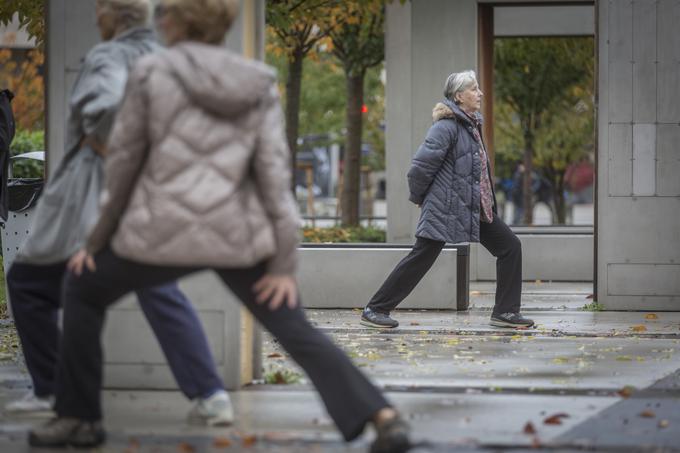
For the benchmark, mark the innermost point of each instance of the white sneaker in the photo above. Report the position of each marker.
(31, 403)
(213, 411)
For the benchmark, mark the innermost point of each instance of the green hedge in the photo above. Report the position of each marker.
(25, 142)
(340, 234)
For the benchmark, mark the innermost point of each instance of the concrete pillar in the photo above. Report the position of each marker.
(638, 194)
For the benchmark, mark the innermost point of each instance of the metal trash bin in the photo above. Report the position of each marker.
(23, 193)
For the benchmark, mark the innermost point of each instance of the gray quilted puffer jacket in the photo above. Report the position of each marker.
(198, 171)
(444, 178)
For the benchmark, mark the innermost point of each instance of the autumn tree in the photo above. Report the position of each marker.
(31, 14)
(536, 78)
(293, 32)
(23, 78)
(357, 38)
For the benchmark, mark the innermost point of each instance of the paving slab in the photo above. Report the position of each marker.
(549, 322)
(156, 419)
(501, 362)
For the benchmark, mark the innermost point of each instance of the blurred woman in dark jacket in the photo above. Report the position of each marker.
(451, 182)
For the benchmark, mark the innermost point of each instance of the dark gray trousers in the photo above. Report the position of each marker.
(349, 396)
(496, 237)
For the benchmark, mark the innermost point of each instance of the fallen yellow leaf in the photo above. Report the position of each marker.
(639, 328)
(651, 316)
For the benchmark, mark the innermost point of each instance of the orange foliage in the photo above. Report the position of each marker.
(24, 79)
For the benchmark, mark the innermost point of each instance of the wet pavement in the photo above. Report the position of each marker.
(595, 381)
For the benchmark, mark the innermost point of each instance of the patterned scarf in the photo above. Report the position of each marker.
(485, 191)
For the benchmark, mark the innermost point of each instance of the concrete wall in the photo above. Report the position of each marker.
(348, 277)
(544, 20)
(133, 356)
(638, 238)
(546, 257)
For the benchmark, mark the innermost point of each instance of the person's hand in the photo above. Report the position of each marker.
(81, 259)
(277, 289)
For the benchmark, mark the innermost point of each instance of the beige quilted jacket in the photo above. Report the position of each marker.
(198, 171)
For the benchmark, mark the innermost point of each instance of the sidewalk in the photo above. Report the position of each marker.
(463, 385)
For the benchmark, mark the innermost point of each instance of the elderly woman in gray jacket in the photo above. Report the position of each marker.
(198, 177)
(451, 182)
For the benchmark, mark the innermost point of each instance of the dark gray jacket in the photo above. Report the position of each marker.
(444, 178)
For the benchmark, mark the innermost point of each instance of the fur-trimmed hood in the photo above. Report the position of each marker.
(448, 109)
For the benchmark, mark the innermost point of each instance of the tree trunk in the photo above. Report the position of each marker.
(293, 106)
(527, 193)
(352, 159)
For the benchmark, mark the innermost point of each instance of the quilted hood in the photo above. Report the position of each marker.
(217, 79)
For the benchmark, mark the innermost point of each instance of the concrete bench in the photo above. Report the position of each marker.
(347, 275)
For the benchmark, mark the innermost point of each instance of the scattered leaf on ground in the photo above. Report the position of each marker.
(249, 441)
(414, 323)
(186, 448)
(651, 316)
(274, 355)
(639, 328)
(624, 358)
(647, 414)
(529, 428)
(663, 423)
(555, 419)
(560, 360)
(626, 392)
(222, 442)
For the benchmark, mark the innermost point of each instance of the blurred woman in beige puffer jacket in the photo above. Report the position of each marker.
(197, 176)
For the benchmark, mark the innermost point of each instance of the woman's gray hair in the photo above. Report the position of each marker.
(457, 82)
(129, 13)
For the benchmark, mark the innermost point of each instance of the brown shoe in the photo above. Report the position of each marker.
(392, 437)
(63, 431)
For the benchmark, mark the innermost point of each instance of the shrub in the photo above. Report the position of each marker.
(25, 142)
(340, 234)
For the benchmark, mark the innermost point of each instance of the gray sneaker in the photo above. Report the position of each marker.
(215, 410)
(510, 320)
(63, 431)
(30, 403)
(371, 318)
